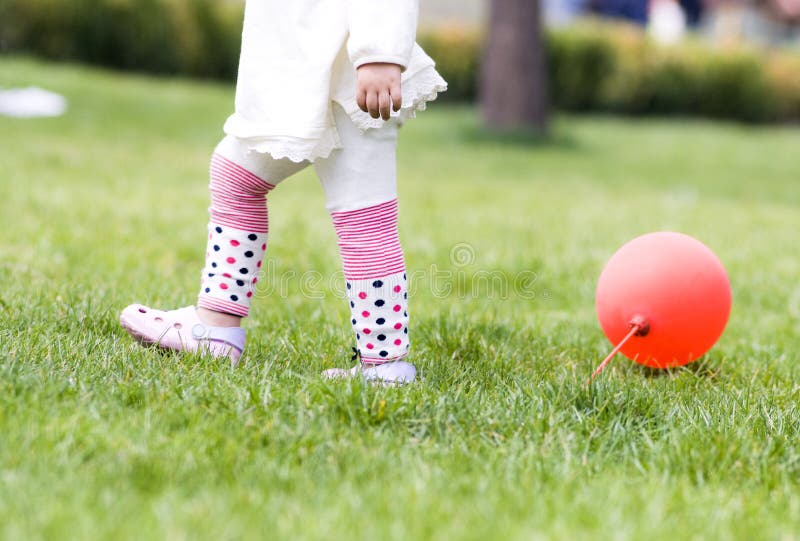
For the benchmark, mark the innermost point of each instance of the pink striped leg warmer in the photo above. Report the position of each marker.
(237, 237)
(375, 277)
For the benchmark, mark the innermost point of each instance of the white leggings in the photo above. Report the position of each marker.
(361, 173)
(360, 184)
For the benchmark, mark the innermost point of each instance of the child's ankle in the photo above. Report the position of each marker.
(218, 319)
(373, 364)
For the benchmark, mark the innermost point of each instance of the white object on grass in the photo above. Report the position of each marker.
(31, 102)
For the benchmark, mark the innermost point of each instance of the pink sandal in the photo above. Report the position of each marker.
(182, 330)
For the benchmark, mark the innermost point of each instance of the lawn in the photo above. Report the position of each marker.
(504, 242)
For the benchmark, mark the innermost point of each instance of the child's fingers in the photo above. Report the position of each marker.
(397, 96)
(361, 99)
(385, 104)
(372, 104)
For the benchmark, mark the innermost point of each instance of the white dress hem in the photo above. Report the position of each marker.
(419, 89)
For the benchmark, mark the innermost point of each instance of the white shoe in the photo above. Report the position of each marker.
(391, 373)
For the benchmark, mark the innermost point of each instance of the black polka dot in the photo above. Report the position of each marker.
(248, 253)
(252, 236)
(381, 337)
(216, 248)
(383, 353)
(218, 229)
(405, 331)
(358, 336)
(380, 302)
(234, 298)
(380, 321)
(240, 283)
(210, 274)
(405, 314)
(243, 270)
(352, 304)
(404, 276)
(377, 283)
(354, 321)
(208, 290)
(405, 295)
(348, 285)
(214, 265)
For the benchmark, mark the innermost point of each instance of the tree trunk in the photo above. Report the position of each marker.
(514, 75)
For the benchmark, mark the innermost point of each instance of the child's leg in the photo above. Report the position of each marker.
(237, 239)
(360, 183)
(238, 228)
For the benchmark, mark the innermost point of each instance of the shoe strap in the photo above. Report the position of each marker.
(231, 336)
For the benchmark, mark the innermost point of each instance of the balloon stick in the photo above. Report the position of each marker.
(638, 327)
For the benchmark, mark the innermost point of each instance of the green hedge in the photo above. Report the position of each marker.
(192, 37)
(616, 68)
(593, 67)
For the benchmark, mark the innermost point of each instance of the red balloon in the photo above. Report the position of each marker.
(675, 288)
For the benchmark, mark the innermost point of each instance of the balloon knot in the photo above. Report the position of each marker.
(641, 323)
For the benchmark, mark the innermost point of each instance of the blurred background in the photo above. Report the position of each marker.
(734, 59)
(773, 22)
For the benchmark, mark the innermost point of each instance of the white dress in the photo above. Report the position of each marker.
(300, 56)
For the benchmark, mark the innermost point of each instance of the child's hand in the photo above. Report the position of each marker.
(378, 89)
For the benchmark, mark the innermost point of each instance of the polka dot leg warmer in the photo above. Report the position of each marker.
(237, 237)
(376, 281)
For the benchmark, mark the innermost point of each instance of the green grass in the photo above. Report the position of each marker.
(100, 439)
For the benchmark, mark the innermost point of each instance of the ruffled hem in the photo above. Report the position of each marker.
(295, 149)
(419, 89)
